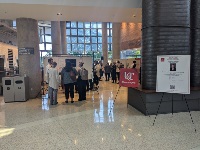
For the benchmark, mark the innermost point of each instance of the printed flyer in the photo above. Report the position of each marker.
(173, 74)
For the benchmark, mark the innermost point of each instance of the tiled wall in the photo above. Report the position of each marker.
(131, 35)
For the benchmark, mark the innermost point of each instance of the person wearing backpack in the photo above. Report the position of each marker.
(82, 82)
(68, 76)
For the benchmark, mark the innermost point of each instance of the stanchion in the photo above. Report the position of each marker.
(158, 108)
(144, 105)
(189, 111)
(115, 100)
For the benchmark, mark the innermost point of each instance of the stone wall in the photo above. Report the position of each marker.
(131, 35)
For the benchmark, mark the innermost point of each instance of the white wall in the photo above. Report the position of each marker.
(4, 51)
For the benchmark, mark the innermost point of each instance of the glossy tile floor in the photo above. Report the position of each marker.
(89, 125)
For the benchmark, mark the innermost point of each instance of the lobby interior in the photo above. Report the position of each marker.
(104, 121)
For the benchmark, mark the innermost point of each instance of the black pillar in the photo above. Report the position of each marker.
(195, 43)
(165, 31)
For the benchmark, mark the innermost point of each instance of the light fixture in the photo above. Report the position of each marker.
(59, 14)
(134, 15)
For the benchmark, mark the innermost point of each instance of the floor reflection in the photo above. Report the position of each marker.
(45, 105)
(99, 114)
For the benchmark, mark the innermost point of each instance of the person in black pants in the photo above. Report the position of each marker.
(68, 80)
(114, 78)
(107, 69)
(82, 82)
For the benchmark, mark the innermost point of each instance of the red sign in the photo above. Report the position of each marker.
(128, 78)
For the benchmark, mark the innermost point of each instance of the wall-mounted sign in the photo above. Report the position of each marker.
(26, 51)
(173, 74)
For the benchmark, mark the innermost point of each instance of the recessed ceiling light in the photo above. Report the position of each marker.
(134, 15)
(59, 14)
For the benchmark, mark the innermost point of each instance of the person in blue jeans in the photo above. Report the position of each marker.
(53, 84)
(68, 81)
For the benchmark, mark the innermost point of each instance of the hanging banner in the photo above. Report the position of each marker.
(173, 74)
(128, 78)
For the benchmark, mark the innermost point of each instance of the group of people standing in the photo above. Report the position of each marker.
(111, 70)
(69, 78)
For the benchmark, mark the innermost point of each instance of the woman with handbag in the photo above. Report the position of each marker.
(68, 77)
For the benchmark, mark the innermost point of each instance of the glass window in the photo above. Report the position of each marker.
(80, 32)
(69, 47)
(41, 30)
(42, 38)
(42, 46)
(81, 47)
(87, 39)
(88, 47)
(68, 39)
(74, 47)
(47, 30)
(110, 25)
(108, 32)
(87, 32)
(74, 39)
(99, 32)
(99, 24)
(68, 24)
(48, 46)
(80, 24)
(87, 24)
(74, 31)
(73, 25)
(68, 31)
(99, 39)
(94, 39)
(93, 25)
(48, 38)
(99, 47)
(94, 47)
(93, 32)
(109, 39)
(80, 39)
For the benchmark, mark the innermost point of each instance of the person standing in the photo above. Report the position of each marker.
(118, 66)
(82, 82)
(98, 68)
(54, 81)
(50, 61)
(134, 64)
(68, 75)
(114, 67)
(107, 69)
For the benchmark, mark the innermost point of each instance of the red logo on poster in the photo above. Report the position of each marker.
(162, 59)
(128, 78)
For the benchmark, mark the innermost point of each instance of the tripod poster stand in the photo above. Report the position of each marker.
(173, 76)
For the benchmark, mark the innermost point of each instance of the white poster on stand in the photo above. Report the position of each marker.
(173, 74)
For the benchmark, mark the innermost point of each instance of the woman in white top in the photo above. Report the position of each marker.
(53, 83)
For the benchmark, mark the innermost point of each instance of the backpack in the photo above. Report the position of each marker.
(84, 74)
(72, 75)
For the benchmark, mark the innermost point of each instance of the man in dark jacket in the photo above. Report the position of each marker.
(107, 69)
